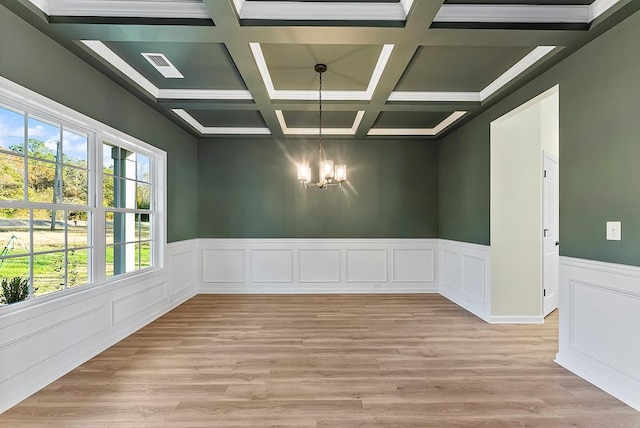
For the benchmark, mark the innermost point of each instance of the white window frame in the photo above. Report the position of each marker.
(19, 98)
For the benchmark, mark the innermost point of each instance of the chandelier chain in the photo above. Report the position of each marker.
(320, 116)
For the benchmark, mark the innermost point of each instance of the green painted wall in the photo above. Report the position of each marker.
(35, 61)
(464, 185)
(249, 189)
(599, 152)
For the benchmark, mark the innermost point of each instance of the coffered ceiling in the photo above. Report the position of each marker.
(411, 68)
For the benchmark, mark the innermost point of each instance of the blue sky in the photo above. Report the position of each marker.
(12, 133)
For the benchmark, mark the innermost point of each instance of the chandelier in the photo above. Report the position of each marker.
(328, 174)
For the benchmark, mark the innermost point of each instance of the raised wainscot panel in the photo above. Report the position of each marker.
(271, 265)
(473, 275)
(182, 271)
(367, 265)
(319, 266)
(39, 345)
(138, 301)
(610, 336)
(413, 265)
(450, 275)
(223, 266)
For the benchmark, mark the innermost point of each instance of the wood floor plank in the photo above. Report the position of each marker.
(354, 361)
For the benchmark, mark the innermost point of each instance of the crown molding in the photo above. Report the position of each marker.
(513, 13)
(322, 11)
(516, 70)
(124, 8)
(448, 121)
(204, 94)
(418, 96)
(523, 14)
(599, 7)
(315, 131)
(218, 130)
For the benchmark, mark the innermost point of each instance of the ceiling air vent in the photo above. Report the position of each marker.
(163, 65)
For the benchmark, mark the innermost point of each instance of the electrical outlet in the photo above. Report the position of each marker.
(376, 285)
(614, 231)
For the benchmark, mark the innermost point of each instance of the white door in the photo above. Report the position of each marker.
(551, 237)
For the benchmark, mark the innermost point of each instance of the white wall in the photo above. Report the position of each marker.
(39, 342)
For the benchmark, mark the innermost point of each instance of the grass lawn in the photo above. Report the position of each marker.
(49, 269)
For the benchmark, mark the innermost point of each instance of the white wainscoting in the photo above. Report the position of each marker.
(465, 276)
(42, 340)
(318, 266)
(599, 325)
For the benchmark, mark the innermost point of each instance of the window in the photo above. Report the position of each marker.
(126, 191)
(78, 205)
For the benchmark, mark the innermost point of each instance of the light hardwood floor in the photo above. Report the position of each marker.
(325, 361)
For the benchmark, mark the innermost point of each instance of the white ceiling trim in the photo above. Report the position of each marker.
(494, 13)
(599, 7)
(222, 130)
(307, 95)
(520, 67)
(43, 5)
(448, 121)
(315, 131)
(406, 6)
(198, 94)
(435, 96)
(513, 13)
(204, 94)
(516, 70)
(322, 11)
(122, 66)
(124, 8)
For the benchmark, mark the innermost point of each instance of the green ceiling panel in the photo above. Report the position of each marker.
(203, 65)
(439, 68)
(309, 119)
(233, 118)
(349, 66)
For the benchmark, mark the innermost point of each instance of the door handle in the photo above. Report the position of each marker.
(557, 243)
(544, 233)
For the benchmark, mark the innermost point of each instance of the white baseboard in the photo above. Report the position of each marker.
(506, 319)
(599, 319)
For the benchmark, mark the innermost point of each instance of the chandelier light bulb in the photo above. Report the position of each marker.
(304, 172)
(340, 172)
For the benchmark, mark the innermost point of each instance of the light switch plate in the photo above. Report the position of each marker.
(614, 230)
